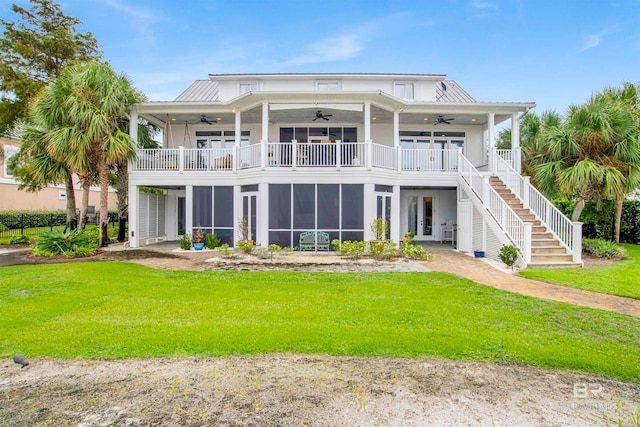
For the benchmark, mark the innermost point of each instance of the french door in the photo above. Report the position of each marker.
(421, 215)
(249, 213)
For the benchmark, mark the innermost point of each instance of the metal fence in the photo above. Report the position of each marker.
(34, 224)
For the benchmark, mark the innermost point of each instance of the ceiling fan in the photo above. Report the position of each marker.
(204, 119)
(441, 119)
(319, 115)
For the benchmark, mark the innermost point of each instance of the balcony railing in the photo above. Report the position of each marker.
(272, 155)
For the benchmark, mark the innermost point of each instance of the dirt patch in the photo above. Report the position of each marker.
(305, 390)
(593, 261)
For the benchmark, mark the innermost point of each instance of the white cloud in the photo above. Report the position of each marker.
(590, 41)
(141, 19)
(330, 49)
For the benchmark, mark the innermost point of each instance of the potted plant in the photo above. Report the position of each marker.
(380, 229)
(244, 243)
(198, 239)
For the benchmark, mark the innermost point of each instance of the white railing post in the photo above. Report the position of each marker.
(399, 157)
(486, 192)
(234, 159)
(294, 154)
(492, 160)
(528, 230)
(369, 143)
(263, 154)
(181, 158)
(526, 185)
(338, 153)
(576, 249)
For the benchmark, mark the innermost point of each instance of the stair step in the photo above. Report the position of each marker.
(560, 264)
(544, 242)
(527, 217)
(548, 250)
(522, 211)
(547, 258)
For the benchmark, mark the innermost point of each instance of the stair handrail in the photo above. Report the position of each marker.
(556, 222)
(517, 230)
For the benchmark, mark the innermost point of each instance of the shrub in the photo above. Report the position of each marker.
(385, 249)
(407, 239)
(509, 255)
(380, 228)
(287, 249)
(16, 240)
(274, 248)
(185, 242)
(61, 242)
(2, 227)
(245, 245)
(603, 249)
(415, 252)
(224, 248)
(335, 243)
(212, 241)
(353, 250)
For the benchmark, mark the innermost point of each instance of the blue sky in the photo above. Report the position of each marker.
(554, 53)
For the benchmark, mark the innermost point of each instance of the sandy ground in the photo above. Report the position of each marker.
(286, 390)
(292, 390)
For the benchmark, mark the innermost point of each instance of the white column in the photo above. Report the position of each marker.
(265, 121)
(238, 127)
(188, 210)
(262, 215)
(491, 123)
(396, 128)
(394, 232)
(133, 126)
(367, 121)
(133, 216)
(515, 143)
(370, 210)
(576, 250)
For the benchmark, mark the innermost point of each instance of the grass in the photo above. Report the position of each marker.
(619, 279)
(119, 310)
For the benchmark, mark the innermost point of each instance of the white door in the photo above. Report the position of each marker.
(465, 225)
(421, 215)
(249, 213)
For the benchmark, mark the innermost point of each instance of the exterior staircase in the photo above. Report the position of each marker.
(546, 249)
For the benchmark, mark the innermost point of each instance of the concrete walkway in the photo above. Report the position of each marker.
(474, 269)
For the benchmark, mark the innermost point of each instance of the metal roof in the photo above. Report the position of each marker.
(453, 93)
(199, 91)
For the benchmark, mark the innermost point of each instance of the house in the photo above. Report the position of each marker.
(53, 197)
(291, 153)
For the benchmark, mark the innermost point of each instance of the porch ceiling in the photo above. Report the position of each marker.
(339, 117)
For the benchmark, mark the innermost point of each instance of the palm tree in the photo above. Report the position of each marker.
(591, 155)
(35, 169)
(80, 112)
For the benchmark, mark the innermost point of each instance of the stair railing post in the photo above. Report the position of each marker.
(576, 239)
(526, 250)
(526, 185)
(486, 192)
(181, 158)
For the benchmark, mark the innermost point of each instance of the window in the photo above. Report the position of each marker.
(9, 151)
(403, 90)
(248, 87)
(328, 86)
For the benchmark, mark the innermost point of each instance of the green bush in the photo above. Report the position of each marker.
(415, 251)
(384, 249)
(509, 255)
(603, 249)
(2, 227)
(212, 241)
(353, 250)
(16, 240)
(335, 243)
(61, 242)
(185, 242)
(274, 248)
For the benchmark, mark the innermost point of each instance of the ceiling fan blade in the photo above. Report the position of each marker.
(325, 118)
(314, 119)
(328, 115)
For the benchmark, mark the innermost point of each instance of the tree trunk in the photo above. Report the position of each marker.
(578, 210)
(84, 207)
(103, 179)
(123, 209)
(618, 218)
(72, 219)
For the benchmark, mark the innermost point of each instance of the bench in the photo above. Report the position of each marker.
(314, 241)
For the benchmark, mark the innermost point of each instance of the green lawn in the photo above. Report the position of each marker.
(620, 279)
(117, 310)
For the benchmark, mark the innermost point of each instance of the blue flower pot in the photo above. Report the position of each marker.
(198, 246)
(478, 254)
